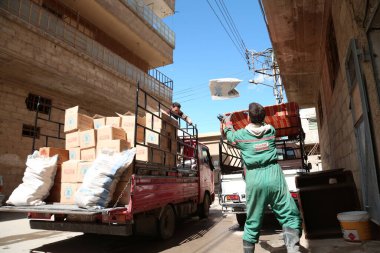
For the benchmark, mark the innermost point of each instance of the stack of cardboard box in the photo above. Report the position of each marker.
(63, 156)
(87, 136)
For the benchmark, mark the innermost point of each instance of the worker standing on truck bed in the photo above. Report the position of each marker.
(265, 181)
(176, 112)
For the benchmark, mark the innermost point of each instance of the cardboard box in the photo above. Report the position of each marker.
(142, 153)
(68, 191)
(165, 142)
(74, 153)
(123, 190)
(63, 154)
(88, 154)
(140, 136)
(111, 133)
(152, 137)
(127, 174)
(87, 139)
(58, 174)
(69, 172)
(170, 160)
(75, 121)
(148, 154)
(115, 145)
(113, 121)
(153, 121)
(128, 124)
(72, 140)
(99, 121)
(54, 194)
(174, 146)
(83, 167)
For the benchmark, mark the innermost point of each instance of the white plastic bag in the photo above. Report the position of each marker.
(37, 181)
(101, 178)
(224, 88)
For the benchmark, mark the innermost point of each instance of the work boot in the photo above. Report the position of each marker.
(248, 247)
(291, 238)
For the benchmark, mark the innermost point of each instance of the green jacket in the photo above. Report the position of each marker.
(256, 142)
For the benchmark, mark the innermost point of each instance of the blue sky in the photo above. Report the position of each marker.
(204, 51)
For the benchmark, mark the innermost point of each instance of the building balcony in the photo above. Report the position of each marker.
(161, 8)
(30, 13)
(134, 26)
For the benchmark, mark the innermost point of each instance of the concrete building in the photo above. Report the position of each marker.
(211, 140)
(327, 53)
(64, 53)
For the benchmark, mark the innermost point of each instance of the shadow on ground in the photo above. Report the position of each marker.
(186, 230)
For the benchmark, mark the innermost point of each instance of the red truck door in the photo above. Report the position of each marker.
(206, 175)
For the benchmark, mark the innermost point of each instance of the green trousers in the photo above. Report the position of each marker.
(267, 185)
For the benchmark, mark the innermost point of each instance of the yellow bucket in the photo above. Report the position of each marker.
(355, 226)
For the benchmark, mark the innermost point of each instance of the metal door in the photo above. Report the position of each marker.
(360, 115)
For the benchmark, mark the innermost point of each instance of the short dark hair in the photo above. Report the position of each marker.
(176, 104)
(256, 113)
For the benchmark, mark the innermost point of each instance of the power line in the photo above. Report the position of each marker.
(194, 88)
(234, 26)
(223, 10)
(242, 54)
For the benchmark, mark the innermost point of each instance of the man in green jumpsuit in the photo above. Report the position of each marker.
(265, 181)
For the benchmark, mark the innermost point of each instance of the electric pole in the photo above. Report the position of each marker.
(264, 63)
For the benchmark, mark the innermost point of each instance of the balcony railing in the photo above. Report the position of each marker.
(49, 23)
(156, 23)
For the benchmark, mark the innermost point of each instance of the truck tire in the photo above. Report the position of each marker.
(204, 208)
(166, 223)
(241, 218)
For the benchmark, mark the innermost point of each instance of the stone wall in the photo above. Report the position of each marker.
(34, 62)
(337, 136)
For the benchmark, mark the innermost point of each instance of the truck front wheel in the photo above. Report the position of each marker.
(166, 224)
(241, 217)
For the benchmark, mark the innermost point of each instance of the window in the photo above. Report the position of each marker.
(32, 102)
(30, 131)
(312, 123)
(205, 155)
(332, 53)
(285, 153)
(290, 154)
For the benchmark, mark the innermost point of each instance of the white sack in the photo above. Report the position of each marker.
(37, 181)
(224, 88)
(101, 178)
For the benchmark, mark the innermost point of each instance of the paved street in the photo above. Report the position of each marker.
(217, 234)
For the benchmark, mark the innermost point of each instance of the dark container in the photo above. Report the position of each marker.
(322, 195)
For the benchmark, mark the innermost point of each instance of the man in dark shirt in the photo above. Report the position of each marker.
(176, 112)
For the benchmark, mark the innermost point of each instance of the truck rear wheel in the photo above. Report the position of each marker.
(241, 218)
(166, 224)
(204, 208)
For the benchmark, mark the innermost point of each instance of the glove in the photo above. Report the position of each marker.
(221, 117)
(227, 121)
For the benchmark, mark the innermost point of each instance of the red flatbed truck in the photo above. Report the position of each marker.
(160, 193)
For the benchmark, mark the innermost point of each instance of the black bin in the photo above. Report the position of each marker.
(322, 195)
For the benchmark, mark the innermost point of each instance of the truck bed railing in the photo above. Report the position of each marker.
(177, 141)
(230, 160)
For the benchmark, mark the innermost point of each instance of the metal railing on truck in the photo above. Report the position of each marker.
(181, 152)
(230, 160)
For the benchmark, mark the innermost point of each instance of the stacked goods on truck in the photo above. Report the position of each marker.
(137, 171)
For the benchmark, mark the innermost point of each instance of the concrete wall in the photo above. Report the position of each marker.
(336, 129)
(34, 62)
